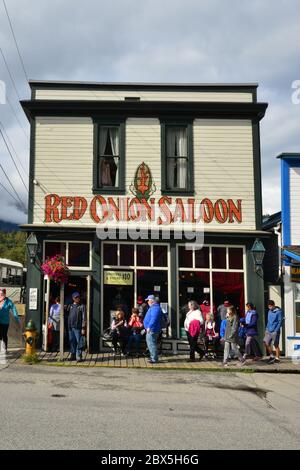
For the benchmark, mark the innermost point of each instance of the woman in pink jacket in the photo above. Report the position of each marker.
(192, 325)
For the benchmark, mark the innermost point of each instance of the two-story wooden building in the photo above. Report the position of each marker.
(122, 176)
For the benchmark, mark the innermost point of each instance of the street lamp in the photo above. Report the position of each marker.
(32, 247)
(258, 252)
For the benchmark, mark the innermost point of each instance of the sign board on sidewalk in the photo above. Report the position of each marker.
(33, 298)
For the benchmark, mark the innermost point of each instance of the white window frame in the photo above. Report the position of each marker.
(135, 268)
(211, 270)
(72, 268)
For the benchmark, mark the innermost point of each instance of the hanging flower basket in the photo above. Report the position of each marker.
(56, 269)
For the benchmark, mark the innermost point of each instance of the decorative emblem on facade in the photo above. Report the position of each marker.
(143, 186)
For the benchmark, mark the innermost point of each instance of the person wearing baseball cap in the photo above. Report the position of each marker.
(152, 324)
(6, 306)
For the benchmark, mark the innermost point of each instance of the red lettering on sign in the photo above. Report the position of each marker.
(135, 210)
(221, 211)
(207, 210)
(80, 205)
(66, 202)
(235, 211)
(93, 209)
(165, 210)
(51, 208)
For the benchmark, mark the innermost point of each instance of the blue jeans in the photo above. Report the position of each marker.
(136, 339)
(75, 342)
(151, 340)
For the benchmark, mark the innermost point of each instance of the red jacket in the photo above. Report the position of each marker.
(194, 328)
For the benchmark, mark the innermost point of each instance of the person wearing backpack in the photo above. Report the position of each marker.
(76, 325)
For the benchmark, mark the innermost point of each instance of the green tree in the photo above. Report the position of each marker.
(12, 246)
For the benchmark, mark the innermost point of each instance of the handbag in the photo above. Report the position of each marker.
(107, 334)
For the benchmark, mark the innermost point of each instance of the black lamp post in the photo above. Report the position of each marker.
(258, 252)
(32, 247)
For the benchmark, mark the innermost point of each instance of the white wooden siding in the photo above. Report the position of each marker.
(64, 94)
(295, 205)
(223, 161)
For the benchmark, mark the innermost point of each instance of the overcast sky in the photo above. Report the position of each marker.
(154, 41)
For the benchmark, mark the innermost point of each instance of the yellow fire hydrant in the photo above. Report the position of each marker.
(30, 336)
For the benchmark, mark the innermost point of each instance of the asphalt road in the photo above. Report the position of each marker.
(80, 408)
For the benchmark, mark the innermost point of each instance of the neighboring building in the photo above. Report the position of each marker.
(107, 155)
(12, 279)
(290, 201)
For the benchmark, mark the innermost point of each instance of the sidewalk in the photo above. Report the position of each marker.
(179, 361)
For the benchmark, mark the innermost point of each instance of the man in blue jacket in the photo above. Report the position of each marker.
(152, 324)
(272, 333)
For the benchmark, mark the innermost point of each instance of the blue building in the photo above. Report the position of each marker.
(290, 202)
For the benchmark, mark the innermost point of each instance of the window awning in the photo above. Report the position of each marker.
(292, 253)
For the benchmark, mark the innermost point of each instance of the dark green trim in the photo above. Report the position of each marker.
(161, 109)
(174, 300)
(96, 295)
(257, 174)
(189, 191)
(216, 87)
(98, 122)
(31, 171)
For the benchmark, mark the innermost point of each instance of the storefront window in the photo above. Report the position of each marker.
(229, 286)
(126, 255)
(193, 285)
(79, 254)
(218, 257)
(144, 255)
(202, 258)
(138, 270)
(185, 257)
(110, 254)
(55, 248)
(235, 258)
(160, 255)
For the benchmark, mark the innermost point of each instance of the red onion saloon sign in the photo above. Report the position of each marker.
(162, 211)
(165, 210)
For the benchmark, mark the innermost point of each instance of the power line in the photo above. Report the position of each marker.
(5, 189)
(9, 73)
(19, 122)
(15, 40)
(16, 166)
(13, 188)
(15, 152)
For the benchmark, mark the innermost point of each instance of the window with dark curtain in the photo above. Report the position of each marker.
(55, 248)
(79, 254)
(126, 255)
(110, 254)
(143, 255)
(185, 257)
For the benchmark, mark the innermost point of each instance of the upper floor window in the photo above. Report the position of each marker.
(177, 174)
(109, 162)
(109, 157)
(177, 158)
